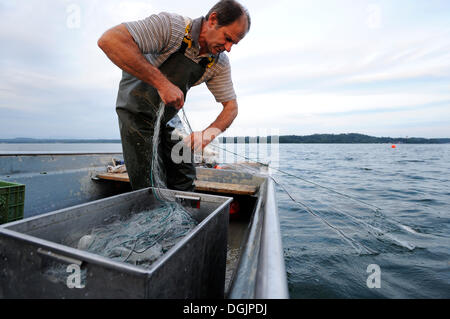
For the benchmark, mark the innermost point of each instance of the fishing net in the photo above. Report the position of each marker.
(140, 238)
(157, 179)
(209, 155)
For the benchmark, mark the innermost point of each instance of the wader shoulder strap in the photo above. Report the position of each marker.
(187, 40)
(206, 62)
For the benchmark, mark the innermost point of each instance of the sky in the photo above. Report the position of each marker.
(380, 68)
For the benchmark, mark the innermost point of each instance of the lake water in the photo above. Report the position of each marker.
(359, 208)
(408, 237)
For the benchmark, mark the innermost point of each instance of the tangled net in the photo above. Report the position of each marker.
(145, 236)
(141, 238)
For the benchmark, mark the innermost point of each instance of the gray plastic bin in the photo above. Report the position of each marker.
(193, 268)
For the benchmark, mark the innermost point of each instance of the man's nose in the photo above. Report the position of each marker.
(228, 46)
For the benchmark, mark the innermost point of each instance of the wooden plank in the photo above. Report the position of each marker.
(119, 177)
(225, 188)
(206, 186)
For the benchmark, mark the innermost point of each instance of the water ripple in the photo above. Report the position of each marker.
(413, 227)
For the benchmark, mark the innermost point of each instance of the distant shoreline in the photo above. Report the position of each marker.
(352, 138)
(57, 141)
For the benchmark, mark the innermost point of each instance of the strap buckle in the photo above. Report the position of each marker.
(187, 36)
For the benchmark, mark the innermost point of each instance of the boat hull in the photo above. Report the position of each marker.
(255, 262)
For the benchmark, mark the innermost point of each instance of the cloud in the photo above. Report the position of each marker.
(305, 67)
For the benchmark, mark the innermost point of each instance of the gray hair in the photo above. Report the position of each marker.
(229, 11)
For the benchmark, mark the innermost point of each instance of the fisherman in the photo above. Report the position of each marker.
(162, 57)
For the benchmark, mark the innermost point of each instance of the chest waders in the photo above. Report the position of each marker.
(137, 107)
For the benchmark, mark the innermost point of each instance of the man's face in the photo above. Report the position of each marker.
(219, 39)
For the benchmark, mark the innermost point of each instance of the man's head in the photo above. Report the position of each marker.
(226, 24)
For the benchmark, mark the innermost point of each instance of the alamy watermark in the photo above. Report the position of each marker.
(374, 18)
(374, 279)
(74, 279)
(73, 20)
(258, 146)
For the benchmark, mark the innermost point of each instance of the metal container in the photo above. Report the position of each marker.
(193, 268)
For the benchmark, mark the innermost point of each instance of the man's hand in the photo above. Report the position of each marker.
(122, 50)
(197, 141)
(171, 95)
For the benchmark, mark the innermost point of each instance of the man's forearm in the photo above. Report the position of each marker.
(225, 118)
(199, 140)
(119, 46)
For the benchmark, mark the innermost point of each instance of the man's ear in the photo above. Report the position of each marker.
(213, 21)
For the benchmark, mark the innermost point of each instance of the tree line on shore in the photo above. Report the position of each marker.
(352, 138)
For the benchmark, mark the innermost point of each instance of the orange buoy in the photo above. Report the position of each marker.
(218, 167)
(393, 146)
